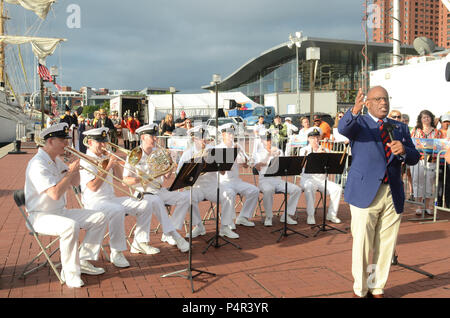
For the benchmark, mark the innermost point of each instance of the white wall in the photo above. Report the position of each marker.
(415, 87)
(324, 102)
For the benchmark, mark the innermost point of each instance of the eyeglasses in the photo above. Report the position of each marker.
(379, 99)
(396, 117)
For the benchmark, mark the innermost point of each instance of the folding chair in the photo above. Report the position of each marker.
(210, 214)
(19, 198)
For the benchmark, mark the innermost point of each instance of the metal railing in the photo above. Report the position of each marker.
(441, 184)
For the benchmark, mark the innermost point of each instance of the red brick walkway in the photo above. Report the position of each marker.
(295, 267)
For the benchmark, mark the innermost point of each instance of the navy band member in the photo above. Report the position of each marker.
(313, 182)
(47, 180)
(269, 185)
(206, 185)
(147, 135)
(232, 180)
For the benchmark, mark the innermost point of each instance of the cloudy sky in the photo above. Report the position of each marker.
(154, 43)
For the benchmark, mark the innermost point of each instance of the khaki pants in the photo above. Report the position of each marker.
(375, 231)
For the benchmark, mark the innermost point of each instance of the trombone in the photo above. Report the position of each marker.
(133, 158)
(100, 165)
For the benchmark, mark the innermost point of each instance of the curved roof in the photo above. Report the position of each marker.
(282, 52)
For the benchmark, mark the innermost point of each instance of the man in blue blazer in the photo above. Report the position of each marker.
(374, 188)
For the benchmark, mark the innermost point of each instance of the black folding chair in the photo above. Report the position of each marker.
(19, 198)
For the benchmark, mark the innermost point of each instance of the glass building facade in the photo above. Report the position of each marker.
(340, 69)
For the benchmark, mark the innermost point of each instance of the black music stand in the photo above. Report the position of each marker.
(395, 262)
(325, 163)
(285, 166)
(186, 178)
(219, 160)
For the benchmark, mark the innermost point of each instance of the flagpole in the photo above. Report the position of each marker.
(42, 102)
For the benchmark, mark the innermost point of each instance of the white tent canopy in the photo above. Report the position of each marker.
(194, 104)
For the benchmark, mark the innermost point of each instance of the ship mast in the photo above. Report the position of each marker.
(2, 48)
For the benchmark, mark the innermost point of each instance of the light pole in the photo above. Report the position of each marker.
(216, 79)
(297, 41)
(313, 55)
(172, 91)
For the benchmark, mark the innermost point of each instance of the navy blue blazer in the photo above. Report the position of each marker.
(369, 164)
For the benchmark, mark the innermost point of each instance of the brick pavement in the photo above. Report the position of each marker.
(318, 267)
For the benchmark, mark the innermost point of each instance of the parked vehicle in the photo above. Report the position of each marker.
(211, 125)
(267, 111)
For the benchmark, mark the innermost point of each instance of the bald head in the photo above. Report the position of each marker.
(378, 102)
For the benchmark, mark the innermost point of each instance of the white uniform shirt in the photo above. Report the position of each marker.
(143, 167)
(317, 176)
(291, 129)
(43, 173)
(106, 190)
(206, 180)
(260, 129)
(232, 174)
(262, 155)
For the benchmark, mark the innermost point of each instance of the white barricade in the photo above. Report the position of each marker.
(424, 175)
(442, 174)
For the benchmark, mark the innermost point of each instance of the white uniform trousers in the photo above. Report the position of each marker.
(67, 224)
(374, 230)
(227, 197)
(159, 210)
(269, 186)
(180, 199)
(132, 137)
(248, 191)
(125, 132)
(116, 208)
(310, 185)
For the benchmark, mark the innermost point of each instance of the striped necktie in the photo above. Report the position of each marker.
(387, 150)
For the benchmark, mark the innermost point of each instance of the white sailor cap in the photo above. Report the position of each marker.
(60, 130)
(151, 129)
(314, 131)
(199, 131)
(98, 134)
(288, 118)
(229, 127)
(445, 117)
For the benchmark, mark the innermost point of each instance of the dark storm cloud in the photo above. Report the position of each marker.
(134, 44)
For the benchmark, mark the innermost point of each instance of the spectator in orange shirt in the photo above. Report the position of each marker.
(326, 129)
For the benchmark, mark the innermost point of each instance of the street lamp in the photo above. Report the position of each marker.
(216, 79)
(296, 40)
(172, 91)
(313, 55)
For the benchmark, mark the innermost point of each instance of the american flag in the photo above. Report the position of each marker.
(44, 73)
(54, 105)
